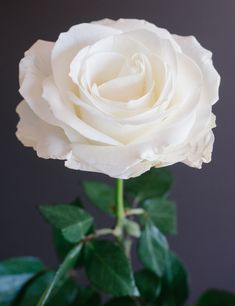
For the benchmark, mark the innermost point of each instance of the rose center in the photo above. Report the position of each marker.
(129, 83)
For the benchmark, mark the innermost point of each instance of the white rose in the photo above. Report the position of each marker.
(118, 97)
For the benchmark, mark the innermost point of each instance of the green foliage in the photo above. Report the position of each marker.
(162, 213)
(61, 245)
(175, 288)
(108, 268)
(101, 195)
(216, 297)
(153, 249)
(87, 297)
(148, 284)
(162, 281)
(63, 297)
(14, 274)
(123, 301)
(73, 221)
(154, 183)
(60, 275)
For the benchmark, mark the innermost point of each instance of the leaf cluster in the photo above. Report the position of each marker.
(105, 256)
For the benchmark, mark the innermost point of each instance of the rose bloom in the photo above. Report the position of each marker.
(118, 97)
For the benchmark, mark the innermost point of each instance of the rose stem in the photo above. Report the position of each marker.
(119, 207)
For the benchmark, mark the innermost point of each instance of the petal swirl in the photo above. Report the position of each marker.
(119, 97)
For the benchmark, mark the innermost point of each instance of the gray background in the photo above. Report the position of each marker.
(205, 198)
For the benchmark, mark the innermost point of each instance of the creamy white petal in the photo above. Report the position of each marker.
(171, 133)
(203, 57)
(201, 139)
(126, 25)
(69, 44)
(113, 161)
(124, 133)
(123, 88)
(64, 111)
(104, 49)
(201, 151)
(97, 68)
(121, 161)
(48, 141)
(34, 67)
(163, 48)
(37, 58)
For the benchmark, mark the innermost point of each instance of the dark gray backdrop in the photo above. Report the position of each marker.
(205, 198)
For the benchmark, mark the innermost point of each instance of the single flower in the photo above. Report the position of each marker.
(118, 97)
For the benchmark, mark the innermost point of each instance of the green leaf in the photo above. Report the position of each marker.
(153, 183)
(132, 228)
(175, 288)
(14, 274)
(62, 246)
(77, 202)
(108, 268)
(66, 294)
(153, 249)
(101, 195)
(123, 301)
(148, 284)
(60, 275)
(87, 297)
(162, 213)
(73, 221)
(215, 297)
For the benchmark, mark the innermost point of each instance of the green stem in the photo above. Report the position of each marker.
(120, 213)
(134, 211)
(103, 232)
(98, 233)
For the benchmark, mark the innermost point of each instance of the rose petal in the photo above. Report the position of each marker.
(124, 133)
(34, 67)
(126, 25)
(47, 140)
(203, 57)
(69, 44)
(112, 161)
(65, 112)
(97, 68)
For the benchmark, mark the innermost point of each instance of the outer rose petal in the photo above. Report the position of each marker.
(199, 149)
(203, 57)
(127, 25)
(34, 67)
(202, 138)
(48, 141)
(120, 161)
